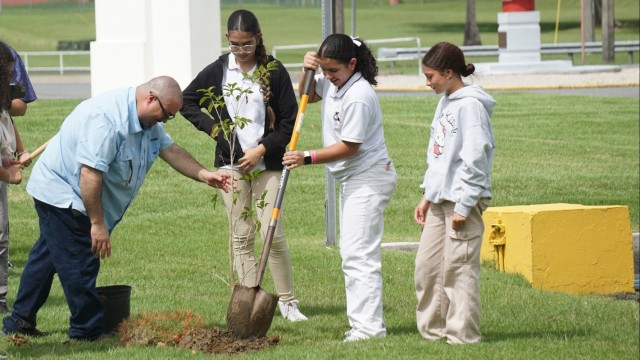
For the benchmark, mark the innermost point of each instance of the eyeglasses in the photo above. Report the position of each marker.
(167, 115)
(242, 48)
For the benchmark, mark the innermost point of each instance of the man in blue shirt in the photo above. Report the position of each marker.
(82, 184)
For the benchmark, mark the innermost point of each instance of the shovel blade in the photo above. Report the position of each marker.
(250, 311)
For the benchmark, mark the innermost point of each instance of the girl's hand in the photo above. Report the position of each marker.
(25, 158)
(293, 159)
(420, 212)
(251, 158)
(457, 221)
(310, 60)
(16, 173)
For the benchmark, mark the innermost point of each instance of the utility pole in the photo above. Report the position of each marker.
(330, 226)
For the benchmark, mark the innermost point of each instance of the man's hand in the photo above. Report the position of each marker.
(218, 180)
(100, 242)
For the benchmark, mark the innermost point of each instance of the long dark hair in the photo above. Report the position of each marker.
(6, 57)
(343, 48)
(444, 55)
(245, 21)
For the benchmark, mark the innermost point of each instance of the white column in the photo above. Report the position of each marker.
(519, 36)
(137, 40)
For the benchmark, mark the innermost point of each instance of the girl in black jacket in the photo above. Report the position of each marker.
(261, 144)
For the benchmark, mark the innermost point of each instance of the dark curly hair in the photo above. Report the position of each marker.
(444, 55)
(246, 21)
(6, 58)
(343, 48)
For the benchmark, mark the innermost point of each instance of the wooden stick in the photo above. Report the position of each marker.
(37, 151)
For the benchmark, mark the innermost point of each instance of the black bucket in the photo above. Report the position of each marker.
(117, 306)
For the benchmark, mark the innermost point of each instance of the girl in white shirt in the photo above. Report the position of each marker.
(356, 155)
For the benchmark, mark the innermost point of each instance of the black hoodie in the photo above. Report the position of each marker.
(282, 101)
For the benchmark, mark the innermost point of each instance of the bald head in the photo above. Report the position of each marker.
(158, 100)
(165, 87)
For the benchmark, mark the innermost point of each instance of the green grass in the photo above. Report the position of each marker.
(171, 245)
(40, 27)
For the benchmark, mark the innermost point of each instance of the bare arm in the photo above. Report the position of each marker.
(337, 151)
(91, 191)
(181, 161)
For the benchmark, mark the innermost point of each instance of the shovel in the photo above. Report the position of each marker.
(251, 309)
(37, 151)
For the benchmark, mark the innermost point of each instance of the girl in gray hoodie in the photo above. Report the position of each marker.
(457, 188)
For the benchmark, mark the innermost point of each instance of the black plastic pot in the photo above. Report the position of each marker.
(117, 305)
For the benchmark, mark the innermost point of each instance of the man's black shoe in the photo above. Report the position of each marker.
(21, 328)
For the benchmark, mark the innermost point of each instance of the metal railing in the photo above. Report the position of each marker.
(570, 49)
(275, 49)
(60, 55)
(383, 53)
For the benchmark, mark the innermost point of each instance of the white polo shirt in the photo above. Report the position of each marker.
(252, 107)
(352, 114)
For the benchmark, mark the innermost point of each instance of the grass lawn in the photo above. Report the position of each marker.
(42, 26)
(171, 246)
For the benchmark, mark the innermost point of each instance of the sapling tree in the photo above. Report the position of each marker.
(213, 104)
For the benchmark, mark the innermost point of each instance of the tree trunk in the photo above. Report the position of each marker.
(608, 54)
(589, 24)
(338, 14)
(471, 32)
(597, 12)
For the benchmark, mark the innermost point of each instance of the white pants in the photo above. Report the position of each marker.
(363, 199)
(244, 232)
(447, 276)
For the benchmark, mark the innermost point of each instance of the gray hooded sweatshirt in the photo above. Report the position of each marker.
(460, 150)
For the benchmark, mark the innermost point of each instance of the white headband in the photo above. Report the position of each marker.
(356, 41)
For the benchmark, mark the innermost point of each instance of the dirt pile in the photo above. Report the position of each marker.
(183, 329)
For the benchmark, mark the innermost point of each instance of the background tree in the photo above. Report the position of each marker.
(338, 16)
(471, 32)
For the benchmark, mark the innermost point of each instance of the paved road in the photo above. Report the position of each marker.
(80, 90)
(623, 82)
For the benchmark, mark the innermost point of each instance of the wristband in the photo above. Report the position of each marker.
(307, 158)
(313, 157)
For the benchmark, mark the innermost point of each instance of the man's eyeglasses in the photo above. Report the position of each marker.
(167, 115)
(242, 48)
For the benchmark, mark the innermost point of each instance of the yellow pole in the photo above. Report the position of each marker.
(555, 35)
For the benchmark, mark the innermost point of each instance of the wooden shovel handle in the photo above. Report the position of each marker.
(37, 151)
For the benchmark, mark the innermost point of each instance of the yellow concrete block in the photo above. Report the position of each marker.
(568, 248)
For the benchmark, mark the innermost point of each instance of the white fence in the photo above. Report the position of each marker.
(413, 53)
(60, 55)
(415, 40)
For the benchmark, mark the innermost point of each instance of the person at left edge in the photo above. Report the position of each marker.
(19, 76)
(82, 184)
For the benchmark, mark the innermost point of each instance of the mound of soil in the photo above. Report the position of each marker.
(217, 341)
(182, 329)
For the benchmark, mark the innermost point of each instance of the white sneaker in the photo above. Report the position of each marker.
(290, 311)
(354, 335)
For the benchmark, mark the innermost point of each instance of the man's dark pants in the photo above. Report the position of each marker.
(64, 247)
